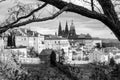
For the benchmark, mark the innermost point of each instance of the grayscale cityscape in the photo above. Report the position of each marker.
(59, 40)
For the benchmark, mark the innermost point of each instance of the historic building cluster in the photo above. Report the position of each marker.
(70, 32)
(78, 48)
(67, 33)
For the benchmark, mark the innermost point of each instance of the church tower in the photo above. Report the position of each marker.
(66, 30)
(72, 32)
(60, 30)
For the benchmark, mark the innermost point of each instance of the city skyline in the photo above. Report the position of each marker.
(84, 25)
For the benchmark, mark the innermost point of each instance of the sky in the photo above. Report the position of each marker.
(82, 24)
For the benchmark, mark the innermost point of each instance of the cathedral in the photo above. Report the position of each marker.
(66, 33)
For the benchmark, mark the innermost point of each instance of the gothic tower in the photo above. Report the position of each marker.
(66, 30)
(72, 32)
(60, 30)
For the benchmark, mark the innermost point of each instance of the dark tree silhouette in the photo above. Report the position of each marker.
(115, 73)
(53, 59)
(112, 62)
(9, 41)
(98, 45)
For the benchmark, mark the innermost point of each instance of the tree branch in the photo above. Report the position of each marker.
(2, 0)
(3, 29)
(26, 16)
(92, 5)
(110, 18)
(76, 9)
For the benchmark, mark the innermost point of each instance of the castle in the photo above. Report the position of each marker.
(71, 34)
(66, 32)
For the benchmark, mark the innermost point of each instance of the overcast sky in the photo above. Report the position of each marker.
(82, 24)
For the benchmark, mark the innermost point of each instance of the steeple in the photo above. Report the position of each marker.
(66, 29)
(72, 29)
(60, 30)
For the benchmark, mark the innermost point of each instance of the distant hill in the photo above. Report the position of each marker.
(111, 43)
(110, 40)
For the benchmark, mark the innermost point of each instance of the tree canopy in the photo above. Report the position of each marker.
(106, 11)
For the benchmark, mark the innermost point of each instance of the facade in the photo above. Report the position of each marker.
(1, 43)
(57, 43)
(22, 56)
(28, 38)
(98, 56)
(21, 41)
(40, 43)
(115, 54)
(21, 52)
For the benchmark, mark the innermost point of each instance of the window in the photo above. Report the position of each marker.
(59, 42)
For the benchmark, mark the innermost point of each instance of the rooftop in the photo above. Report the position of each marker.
(22, 32)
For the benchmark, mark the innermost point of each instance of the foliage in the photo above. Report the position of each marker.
(98, 45)
(44, 72)
(62, 56)
(53, 59)
(11, 40)
(112, 62)
(115, 73)
(32, 52)
(10, 67)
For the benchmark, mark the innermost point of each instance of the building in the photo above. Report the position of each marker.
(57, 43)
(71, 33)
(21, 55)
(21, 52)
(67, 33)
(1, 43)
(27, 38)
(98, 56)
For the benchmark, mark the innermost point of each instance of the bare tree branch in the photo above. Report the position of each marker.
(109, 17)
(92, 5)
(3, 29)
(26, 16)
(2, 0)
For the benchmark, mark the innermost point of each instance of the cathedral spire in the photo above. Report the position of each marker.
(59, 29)
(66, 28)
(72, 27)
(72, 30)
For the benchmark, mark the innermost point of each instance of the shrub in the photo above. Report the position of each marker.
(112, 62)
(53, 59)
(10, 67)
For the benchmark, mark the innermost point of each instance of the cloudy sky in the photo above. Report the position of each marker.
(82, 24)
